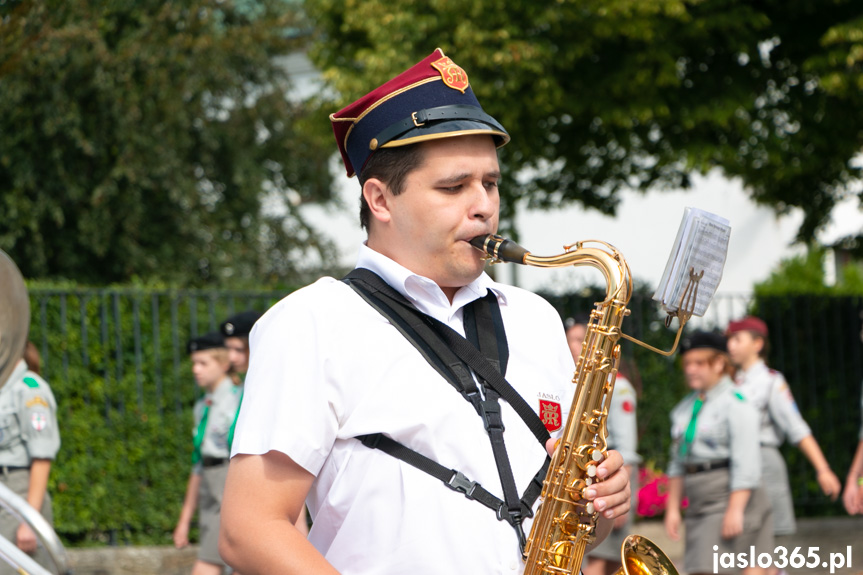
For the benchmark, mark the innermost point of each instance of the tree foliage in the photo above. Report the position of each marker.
(611, 94)
(804, 274)
(155, 140)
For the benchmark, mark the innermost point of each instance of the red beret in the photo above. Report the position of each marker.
(748, 323)
(429, 101)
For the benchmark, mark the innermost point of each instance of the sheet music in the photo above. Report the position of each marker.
(701, 245)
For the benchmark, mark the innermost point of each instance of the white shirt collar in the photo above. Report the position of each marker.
(424, 293)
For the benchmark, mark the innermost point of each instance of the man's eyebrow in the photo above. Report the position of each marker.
(456, 178)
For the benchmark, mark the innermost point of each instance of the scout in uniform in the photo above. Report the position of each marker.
(715, 463)
(779, 419)
(29, 434)
(236, 331)
(623, 437)
(214, 415)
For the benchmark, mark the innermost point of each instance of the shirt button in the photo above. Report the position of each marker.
(513, 566)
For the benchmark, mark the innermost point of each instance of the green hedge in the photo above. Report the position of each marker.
(116, 362)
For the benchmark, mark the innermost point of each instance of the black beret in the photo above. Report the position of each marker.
(704, 340)
(241, 324)
(210, 340)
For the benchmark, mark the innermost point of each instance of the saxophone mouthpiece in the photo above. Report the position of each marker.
(500, 249)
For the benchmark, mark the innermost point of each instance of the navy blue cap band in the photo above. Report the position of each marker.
(422, 117)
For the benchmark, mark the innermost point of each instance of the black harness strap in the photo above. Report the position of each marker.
(486, 353)
(416, 328)
(454, 479)
(488, 343)
(456, 345)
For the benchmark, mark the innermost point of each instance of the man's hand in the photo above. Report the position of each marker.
(611, 494)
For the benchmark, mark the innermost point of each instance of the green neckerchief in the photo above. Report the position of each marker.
(234, 423)
(242, 377)
(690, 430)
(199, 435)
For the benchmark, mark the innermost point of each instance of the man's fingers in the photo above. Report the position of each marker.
(612, 462)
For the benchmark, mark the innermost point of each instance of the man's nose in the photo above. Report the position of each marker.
(485, 203)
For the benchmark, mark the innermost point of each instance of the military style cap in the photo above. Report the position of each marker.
(748, 323)
(241, 324)
(210, 340)
(704, 340)
(431, 100)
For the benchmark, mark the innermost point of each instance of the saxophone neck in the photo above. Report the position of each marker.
(605, 258)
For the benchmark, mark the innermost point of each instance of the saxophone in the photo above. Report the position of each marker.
(565, 523)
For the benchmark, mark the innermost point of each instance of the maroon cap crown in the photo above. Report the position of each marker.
(748, 323)
(431, 100)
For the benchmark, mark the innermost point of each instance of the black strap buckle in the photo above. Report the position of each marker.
(491, 417)
(514, 518)
(371, 440)
(459, 482)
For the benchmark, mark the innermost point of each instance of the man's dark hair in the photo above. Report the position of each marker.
(391, 166)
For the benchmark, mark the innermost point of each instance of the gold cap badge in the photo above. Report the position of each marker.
(452, 74)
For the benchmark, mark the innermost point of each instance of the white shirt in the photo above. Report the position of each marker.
(325, 367)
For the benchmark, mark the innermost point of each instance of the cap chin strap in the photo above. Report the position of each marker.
(422, 117)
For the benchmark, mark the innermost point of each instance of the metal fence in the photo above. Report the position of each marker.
(122, 333)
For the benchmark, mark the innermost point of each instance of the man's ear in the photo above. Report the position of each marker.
(377, 197)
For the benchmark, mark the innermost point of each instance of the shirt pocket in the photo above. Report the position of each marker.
(713, 435)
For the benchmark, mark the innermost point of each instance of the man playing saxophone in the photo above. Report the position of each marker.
(361, 399)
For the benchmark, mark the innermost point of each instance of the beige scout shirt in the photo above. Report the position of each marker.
(28, 419)
(726, 428)
(222, 404)
(779, 417)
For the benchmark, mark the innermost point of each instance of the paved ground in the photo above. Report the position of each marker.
(829, 535)
(835, 539)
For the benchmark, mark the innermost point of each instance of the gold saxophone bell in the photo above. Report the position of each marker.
(641, 556)
(565, 523)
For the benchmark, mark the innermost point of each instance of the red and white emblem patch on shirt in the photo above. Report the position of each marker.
(550, 414)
